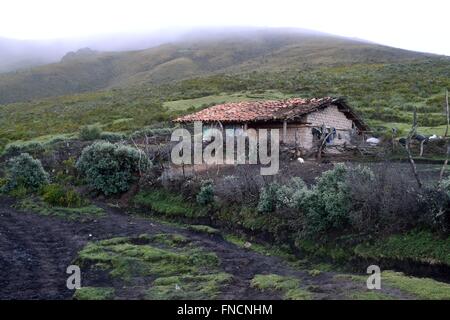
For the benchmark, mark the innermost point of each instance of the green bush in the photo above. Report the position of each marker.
(111, 168)
(275, 196)
(206, 194)
(91, 132)
(56, 195)
(14, 149)
(24, 171)
(111, 137)
(328, 204)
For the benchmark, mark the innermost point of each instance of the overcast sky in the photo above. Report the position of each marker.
(411, 24)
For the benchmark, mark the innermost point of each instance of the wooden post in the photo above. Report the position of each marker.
(284, 131)
(408, 150)
(447, 113)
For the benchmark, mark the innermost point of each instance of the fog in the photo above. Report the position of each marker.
(20, 54)
(33, 32)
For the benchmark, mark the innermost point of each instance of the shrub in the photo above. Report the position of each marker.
(268, 198)
(14, 149)
(56, 195)
(111, 168)
(111, 137)
(385, 202)
(328, 204)
(206, 194)
(275, 196)
(434, 207)
(91, 132)
(25, 171)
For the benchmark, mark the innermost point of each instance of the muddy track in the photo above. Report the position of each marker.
(35, 251)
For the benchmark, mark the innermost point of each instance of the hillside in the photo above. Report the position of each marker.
(197, 55)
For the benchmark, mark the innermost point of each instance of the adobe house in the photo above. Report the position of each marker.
(300, 120)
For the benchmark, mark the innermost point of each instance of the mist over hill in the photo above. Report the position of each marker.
(176, 56)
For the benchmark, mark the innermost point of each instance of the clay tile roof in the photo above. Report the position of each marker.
(251, 111)
(257, 110)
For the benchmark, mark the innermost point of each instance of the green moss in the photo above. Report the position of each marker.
(288, 286)
(40, 207)
(166, 203)
(266, 249)
(175, 271)
(203, 229)
(127, 260)
(423, 288)
(172, 240)
(314, 272)
(192, 287)
(369, 295)
(420, 246)
(324, 250)
(94, 293)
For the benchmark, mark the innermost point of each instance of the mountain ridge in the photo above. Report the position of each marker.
(196, 56)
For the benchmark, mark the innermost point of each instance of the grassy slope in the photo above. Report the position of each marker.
(383, 84)
(384, 94)
(229, 53)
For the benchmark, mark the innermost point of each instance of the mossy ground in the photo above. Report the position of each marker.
(420, 246)
(423, 288)
(288, 287)
(171, 266)
(94, 293)
(35, 204)
(413, 287)
(167, 204)
(203, 229)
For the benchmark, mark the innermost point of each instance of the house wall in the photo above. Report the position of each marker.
(300, 132)
(301, 135)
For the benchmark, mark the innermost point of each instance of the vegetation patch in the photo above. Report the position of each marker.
(57, 195)
(35, 204)
(111, 168)
(422, 246)
(289, 287)
(25, 172)
(169, 239)
(189, 287)
(169, 204)
(170, 268)
(204, 229)
(94, 293)
(369, 295)
(423, 288)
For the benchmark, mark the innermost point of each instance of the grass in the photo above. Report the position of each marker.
(188, 287)
(421, 246)
(369, 295)
(168, 204)
(35, 204)
(202, 102)
(384, 93)
(423, 288)
(171, 266)
(265, 249)
(289, 287)
(94, 293)
(203, 229)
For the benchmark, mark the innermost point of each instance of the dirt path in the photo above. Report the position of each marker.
(35, 251)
